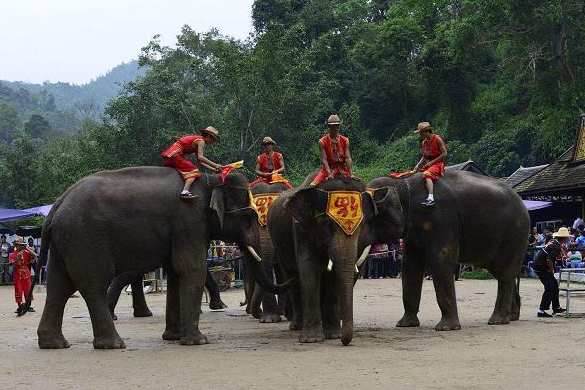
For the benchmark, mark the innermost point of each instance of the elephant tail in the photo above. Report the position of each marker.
(517, 291)
(42, 260)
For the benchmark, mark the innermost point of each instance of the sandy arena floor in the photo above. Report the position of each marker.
(531, 354)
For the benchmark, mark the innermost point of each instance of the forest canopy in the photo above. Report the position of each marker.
(502, 81)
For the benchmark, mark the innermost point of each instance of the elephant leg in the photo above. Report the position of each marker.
(503, 310)
(215, 302)
(249, 285)
(138, 300)
(310, 274)
(284, 301)
(114, 291)
(191, 268)
(297, 308)
(413, 268)
(270, 309)
(173, 312)
(59, 289)
(330, 308)
(442, 263)
(516, 301)
(256, 302)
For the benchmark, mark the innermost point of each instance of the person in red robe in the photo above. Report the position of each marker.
(334, 151)
(174, 157)
(21, 258)
(269, 165)
(432, 162)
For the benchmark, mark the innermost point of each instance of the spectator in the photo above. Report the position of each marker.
(542, 237)
(574, 255)
(578, 222)
(31, 246)
(544, 267)
(580, 241)
(533, 237)
(21, 257)
(5, 250)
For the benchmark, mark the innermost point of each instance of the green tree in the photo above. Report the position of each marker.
(10, 125)
(37, 126)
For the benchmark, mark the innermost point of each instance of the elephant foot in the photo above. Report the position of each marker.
(311, 336)
(109, 342)
(514, 316)
(295, 325)
(195, 339)
(256, 313)
(142, 313)
(270, 318)
(171, 335)
(499, 319)
(448, 324)
(217, 305)
(408, 321)
(332, 333)
(53, 342)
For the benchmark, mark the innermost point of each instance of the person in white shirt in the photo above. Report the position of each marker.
(578, 222)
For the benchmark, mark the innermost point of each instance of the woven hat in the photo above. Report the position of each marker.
(423, 126)
(212, 131)
(19, 241)
(562, 233)
(333, 120)
(268, 140)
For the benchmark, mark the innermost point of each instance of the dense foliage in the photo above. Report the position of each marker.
(502, 81)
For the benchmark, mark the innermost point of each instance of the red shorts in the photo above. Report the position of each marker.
(435, 171)
(322, 175)
(182, 164)
(21, 289)
(264, 180)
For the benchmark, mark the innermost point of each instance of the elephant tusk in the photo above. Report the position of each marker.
(357, 270)
(329, 266)
(253, 253)
(365, 254)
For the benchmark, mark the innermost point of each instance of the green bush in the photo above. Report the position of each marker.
(479, 273)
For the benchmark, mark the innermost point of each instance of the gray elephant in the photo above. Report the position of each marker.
(316, 230)
(476, 220)
(138, 300)
(131, 221)
(272, 309)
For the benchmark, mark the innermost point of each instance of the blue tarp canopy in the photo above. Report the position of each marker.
(535, 204)
(13, 215)
(40, 210)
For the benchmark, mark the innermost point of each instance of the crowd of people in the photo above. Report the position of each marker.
(383, 261)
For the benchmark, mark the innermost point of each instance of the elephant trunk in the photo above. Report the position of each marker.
(344, 257)
(260, 276)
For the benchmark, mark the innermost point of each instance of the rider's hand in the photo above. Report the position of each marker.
(329, 176)
(219, 168)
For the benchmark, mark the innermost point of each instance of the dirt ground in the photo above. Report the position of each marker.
(532, 353)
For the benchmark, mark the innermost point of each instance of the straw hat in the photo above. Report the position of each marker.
(423, 126)
(212, 131)
(19, 241)
(562, 233)
(268, 140)
(333, 120)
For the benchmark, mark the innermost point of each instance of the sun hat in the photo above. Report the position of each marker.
(19, 241)
(423, 126)
(333, 120)
(268, 140)
(562, 233)
(212, 131)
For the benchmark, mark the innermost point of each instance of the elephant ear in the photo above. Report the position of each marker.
(217, 203)
(389, 199)
(301, 205)
(369, 207)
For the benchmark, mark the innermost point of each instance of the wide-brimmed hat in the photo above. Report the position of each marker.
(268, 140)
(212, 131)
(19, 241)
(333, 120)
(423, 126)
(562, 233)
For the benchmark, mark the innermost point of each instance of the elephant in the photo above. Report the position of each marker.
(310, 243)
(139, 302)
(477, 220)
(271, 308)
(96, 220)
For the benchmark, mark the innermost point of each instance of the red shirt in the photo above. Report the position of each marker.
(184, 145)
(335, 150)
(266, 165)
(21, 261)
(430, 148)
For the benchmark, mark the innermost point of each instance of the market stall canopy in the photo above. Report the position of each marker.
(5, 230)
(33, 231)
(41, 210)
(13, 215)
(532, 205)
